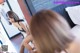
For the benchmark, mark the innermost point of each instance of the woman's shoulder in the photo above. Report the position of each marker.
(76, 33)
(75, 45)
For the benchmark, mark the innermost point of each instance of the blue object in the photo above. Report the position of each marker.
(1, 42)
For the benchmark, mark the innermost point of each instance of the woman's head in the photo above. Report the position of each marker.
(12, 16)
(50, 31)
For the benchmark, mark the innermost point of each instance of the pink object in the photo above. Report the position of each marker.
(1, 1)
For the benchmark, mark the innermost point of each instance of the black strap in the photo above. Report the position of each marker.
(22, 29)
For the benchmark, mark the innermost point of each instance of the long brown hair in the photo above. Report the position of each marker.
(13, 15)
(50, 32)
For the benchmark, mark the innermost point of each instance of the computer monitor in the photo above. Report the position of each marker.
(36, 5)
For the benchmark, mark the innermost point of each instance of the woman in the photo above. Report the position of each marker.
(51, 33)
(14, 19)
(26, 43)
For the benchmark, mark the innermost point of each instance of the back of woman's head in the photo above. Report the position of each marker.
(50, 32)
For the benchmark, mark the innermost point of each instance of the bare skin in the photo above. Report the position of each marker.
(27, 39)
(25, 44)
(74, 46)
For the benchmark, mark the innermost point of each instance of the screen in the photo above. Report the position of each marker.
(36, 5)
(43, 4)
